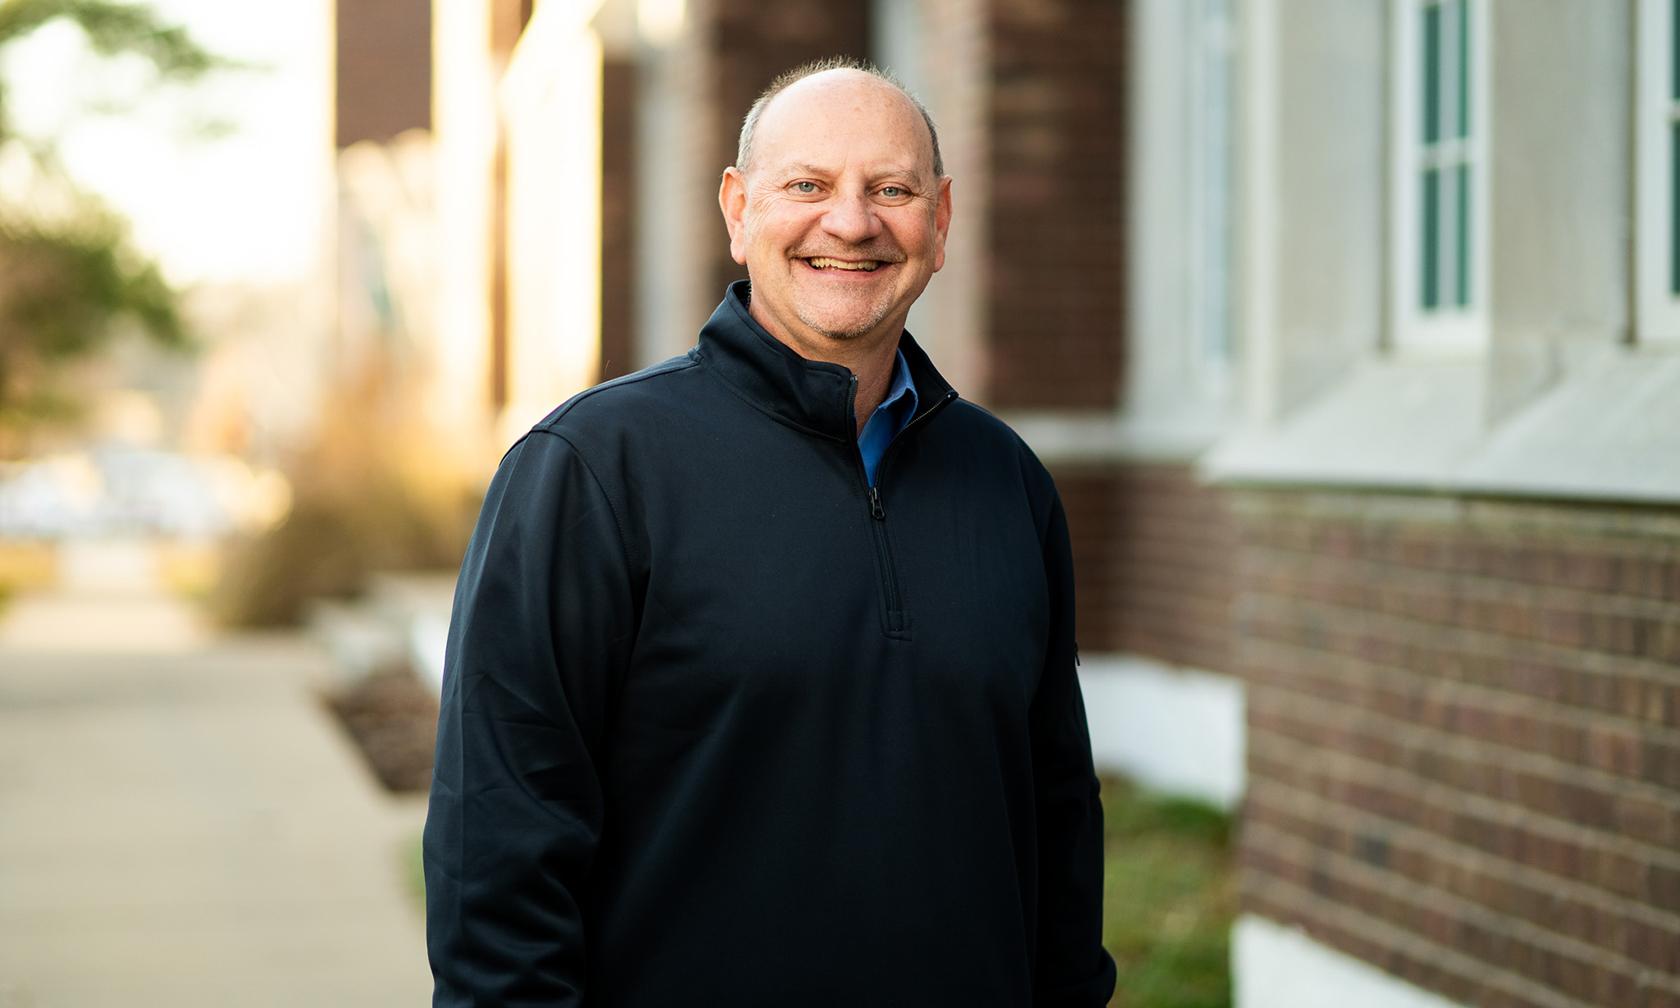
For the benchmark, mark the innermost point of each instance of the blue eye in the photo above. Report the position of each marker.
(893, 192)
(804, 188)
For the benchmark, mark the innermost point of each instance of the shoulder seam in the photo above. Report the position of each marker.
(618, 518)
(672, 366)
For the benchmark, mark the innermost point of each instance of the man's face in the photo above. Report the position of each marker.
(839, 220)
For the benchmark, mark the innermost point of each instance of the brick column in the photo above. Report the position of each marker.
(618, 215)
(1055, 227)
(384, 69)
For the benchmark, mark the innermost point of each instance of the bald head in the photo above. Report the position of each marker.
(824, 75)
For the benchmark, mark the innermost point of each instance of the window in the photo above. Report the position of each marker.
(1657, 220)
(1440, 175)
(1211, 38)
(1181, 335)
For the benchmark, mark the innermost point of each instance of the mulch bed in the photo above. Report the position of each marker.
(392, 718)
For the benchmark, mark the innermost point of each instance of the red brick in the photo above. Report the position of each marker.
(1054, 296)
(384, 69)
(618, 217)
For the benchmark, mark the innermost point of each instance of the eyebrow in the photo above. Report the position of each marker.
(806, 168)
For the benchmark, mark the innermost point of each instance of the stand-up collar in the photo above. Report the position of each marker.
(815, 396)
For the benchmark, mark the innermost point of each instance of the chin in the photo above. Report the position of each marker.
(843, 325)
(840, 335)
(838, 329)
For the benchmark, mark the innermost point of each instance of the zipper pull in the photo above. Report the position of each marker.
(876, 511)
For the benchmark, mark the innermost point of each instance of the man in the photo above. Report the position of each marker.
(760, 686)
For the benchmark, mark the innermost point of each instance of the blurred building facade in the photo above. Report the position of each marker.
(1350, 331)
(1452, 486)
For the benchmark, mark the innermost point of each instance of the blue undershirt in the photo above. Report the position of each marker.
(889, 418)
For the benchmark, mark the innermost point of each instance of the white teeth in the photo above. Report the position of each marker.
(822, 262)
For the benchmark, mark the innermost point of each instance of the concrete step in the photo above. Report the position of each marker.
(402, 621)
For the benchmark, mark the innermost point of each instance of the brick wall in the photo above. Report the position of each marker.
(1054, 220)
(384, 69)
(1153, 560)
(1464, 741)
(618, 221)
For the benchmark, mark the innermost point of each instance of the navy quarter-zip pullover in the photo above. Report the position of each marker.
(723, 724)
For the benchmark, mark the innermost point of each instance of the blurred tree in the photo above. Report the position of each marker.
(70, 277)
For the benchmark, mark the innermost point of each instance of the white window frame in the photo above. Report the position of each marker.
(1656, 111)
(1446, 330)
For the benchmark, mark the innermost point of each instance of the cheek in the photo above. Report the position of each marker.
(916, 233)
(767, 236)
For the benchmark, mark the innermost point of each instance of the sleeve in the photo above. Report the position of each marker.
(1073, 969)
(541, 629)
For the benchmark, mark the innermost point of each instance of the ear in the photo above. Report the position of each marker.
(732, 200)
(941, 223)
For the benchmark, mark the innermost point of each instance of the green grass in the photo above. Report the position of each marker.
(1169, 899)
(414, 871)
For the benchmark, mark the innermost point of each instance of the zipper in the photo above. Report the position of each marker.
(889, 573)
(896, 622)
(878, 527)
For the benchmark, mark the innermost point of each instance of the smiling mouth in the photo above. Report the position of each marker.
(859, 266)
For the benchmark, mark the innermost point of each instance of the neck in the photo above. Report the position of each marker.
(874, 377)
(869, 357)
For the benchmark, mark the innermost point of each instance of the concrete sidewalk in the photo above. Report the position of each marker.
(182, 824)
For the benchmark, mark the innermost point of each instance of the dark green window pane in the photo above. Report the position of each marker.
(1461, 237)
(1674, 208)
(1463, 11)
(1430, 236)
(1431, 74)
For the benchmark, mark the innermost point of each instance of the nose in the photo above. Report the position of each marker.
(852, 219)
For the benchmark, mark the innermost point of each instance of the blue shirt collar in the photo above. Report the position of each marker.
(892, 416)
(900, 388)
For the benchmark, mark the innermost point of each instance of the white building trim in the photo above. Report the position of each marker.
(1257, 269)
(1174, 730)
(550, 101)
(1278, 967)
(1656, 124)
(1603, 432)
(1087, 437)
